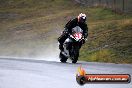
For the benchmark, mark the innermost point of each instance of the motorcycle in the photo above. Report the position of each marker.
(72, 45)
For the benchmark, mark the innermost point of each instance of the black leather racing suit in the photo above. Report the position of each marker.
(68, 29)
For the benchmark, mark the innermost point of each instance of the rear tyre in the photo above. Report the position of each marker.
(63, 58)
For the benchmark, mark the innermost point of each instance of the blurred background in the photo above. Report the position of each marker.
(29, 29)
(120, 6)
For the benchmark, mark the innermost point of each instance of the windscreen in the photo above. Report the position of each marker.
(77, 29)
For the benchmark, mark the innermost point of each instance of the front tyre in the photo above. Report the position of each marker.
(75, 59)
(75, 55)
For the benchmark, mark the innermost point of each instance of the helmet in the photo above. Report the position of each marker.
(81, 17)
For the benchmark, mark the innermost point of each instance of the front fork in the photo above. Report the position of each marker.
(74, 51)
(72, 48)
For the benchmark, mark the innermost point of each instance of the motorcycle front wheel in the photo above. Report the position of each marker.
(75, 55)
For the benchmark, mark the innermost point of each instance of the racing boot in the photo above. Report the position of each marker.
(61, 40)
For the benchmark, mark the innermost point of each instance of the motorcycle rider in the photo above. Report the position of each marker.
(78, 21)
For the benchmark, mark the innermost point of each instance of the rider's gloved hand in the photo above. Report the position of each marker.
(83, 41)
(65, 31)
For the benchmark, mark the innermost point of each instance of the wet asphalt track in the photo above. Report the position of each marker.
(16, 73)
